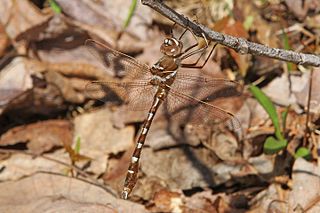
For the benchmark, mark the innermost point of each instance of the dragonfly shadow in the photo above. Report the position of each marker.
(109, 60)
(188, 111)
(201, 167)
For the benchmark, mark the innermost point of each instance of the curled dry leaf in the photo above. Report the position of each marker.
(45, 101)
(4, 40)
(15, 79)
(21, 24)
(205, 201)
(223, 145)
(103, 20)
(67, 90)
(40, 137)
(166, 201)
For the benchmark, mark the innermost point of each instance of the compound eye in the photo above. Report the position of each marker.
(167, 42)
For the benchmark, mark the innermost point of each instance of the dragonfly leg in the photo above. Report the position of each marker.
(194, 65)
(202, 49)
(192, 46)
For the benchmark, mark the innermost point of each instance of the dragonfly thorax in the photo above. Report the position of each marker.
(166, 63)
(166, 79)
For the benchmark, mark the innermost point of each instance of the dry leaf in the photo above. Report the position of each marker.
(305, 186)
(54, 193)
(40, 137)
(15, 79)
(99, 138)
(18, 22)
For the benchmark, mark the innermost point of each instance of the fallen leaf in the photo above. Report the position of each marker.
(301, 85)
(281, 83)
(185, 168)
(18, 22)
(67, 90)
(15, 79)
(305, 185)
(166, 201)
(270, 200)
(301, 8)
(19, 165)
(99, 138)
(103, 20)
(223, 145)
(4, 40)
(40, 137)
(49, 192)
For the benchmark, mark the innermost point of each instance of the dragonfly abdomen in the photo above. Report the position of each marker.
(133, 169)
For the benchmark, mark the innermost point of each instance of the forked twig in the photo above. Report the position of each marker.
(238, 44)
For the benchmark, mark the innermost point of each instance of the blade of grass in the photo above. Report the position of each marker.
(130, 14)
(77, 146)
(287, 46)
(55, 7)
(248, 22)
(270, 109)
(284, 118)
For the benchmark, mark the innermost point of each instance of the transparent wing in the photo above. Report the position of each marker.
(121, 64)
(198, 112)
(134, 89)
(137, 95)
(206, 88)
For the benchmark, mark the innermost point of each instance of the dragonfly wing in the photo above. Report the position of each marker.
(206, 88)
(137, 95)
(198, 112)
(121, 64)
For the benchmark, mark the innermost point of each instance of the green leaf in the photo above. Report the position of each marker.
(285, 40)
(303, 152)
(77, 147)
(272, 145)
(55, 7)
(287, 46)
(270, 109)
(248, 22)
(130, 14)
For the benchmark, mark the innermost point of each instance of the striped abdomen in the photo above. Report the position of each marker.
(132, 174)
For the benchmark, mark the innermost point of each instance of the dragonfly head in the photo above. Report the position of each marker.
(171, 47)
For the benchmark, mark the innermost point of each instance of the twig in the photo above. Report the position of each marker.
(238, 44)
(307, 130)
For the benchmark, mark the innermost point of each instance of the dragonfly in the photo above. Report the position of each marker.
(146, 88)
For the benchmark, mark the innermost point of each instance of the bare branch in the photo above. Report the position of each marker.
(238, 44)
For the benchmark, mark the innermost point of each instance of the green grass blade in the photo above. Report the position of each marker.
(270, 109)
(130, 14)
(248, 22)
(78, 145)
(287, 46)
(55, 7)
